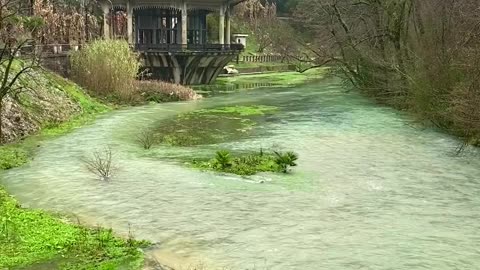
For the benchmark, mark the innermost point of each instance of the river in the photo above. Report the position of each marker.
(373, 189)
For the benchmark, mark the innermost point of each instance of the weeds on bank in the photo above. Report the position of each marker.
(33, 237)
(249, 164)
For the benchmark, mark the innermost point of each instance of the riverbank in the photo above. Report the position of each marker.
(244, 68)
(32, 238)
(35, 239)
(24, 228)
(230, 84)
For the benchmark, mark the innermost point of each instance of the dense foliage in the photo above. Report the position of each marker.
(418, 55)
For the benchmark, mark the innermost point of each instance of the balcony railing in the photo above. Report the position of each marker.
(189, 47)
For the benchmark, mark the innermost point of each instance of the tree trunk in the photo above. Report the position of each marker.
(1, 122)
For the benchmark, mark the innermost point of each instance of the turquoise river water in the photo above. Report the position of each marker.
(373, 190)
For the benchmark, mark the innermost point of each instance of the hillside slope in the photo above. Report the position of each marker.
(45, 100)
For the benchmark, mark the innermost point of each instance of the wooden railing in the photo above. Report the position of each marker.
(189, 47)
(262, 58)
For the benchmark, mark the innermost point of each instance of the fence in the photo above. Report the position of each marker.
(262, 58)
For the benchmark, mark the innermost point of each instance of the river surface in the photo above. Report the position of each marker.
(373, 190)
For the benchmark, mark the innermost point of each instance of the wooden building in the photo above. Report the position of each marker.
(172, 36)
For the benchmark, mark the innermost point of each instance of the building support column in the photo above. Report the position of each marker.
(106, 25)
(221, 26)
(184, 24)
(129, 22)
(227, 27)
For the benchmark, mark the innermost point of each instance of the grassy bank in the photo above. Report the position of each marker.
(38, 239)
(252, 68)
(18, 153)
(253, 81)
(35, 239)
(274, 79)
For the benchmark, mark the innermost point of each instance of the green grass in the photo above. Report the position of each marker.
(274, 79)
(34, 237)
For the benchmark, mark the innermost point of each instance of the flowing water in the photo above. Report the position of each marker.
(373, 190)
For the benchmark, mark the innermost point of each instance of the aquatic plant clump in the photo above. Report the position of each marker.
(209, 126)
(240, 110)
(249, 164)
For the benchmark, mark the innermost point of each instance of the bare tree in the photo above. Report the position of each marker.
(260, 18)
(15, 34)
(100, 163)
(417, 55)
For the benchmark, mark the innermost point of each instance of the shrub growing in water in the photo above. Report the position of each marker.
(107, 68)
(146, 139)
(285, 160)
(223, 160)
(101, 163)
(249, 164)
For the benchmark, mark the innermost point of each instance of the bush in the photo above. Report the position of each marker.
(285, 160)
(107, 68)
(223, 160)
(249, 164)
(158, 91)
(101, 163)
(146, 139)
(11, 158)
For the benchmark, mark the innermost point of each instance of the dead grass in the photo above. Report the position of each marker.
(158, 91)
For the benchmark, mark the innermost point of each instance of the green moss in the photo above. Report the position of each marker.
(209, 126)
(29, 237)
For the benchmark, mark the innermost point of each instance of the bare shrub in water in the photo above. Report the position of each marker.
(100, 163)
(146, 139)
(158, 91)
(107, 68)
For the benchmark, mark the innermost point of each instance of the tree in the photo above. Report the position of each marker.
(417, 55)
(15, 34)
(260, 19)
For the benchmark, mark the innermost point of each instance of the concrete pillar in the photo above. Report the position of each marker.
(130, 22)
(227, 27)
(221, 26)
(184, 23)
(106, 25)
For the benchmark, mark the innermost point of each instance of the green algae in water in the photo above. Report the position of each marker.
(241, 110)
(210, 126)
